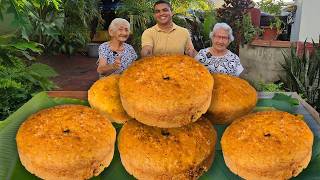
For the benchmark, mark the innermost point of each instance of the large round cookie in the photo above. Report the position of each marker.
(66, 142)
(166, 91)
(154, 153)
(232, 97)
(267, 145)
(104, 96)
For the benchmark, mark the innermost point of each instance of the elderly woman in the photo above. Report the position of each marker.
(218, 59)
(116, 55)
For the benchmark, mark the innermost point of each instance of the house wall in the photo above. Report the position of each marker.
(307, 24)
(262, 63)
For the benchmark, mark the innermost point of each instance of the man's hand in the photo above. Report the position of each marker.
(191, 52)
(146, 51)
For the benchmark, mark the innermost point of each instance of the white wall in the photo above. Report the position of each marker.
(307, 21)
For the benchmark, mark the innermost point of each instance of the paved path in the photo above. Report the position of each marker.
(76, 73)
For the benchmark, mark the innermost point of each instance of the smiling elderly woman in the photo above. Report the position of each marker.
(218, 59)
(116, 55)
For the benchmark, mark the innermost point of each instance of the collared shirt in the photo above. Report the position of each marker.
(227, 64)
(128, 55)
(175, 41)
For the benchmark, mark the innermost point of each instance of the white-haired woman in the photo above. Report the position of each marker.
(218, 59)
(116, 55)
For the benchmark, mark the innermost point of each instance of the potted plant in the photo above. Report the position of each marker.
(272, 31)
(100, 35)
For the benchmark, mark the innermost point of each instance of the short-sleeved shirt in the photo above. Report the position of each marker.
(128, 56)
(227, 64)
(175, 41)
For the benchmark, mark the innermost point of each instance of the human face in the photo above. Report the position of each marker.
(121, 34)
(163, 14)
(220, 40)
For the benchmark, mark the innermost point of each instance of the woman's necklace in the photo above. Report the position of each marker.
(215, 53)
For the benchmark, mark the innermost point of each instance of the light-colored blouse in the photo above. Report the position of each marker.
(227, 64)
(128, 56)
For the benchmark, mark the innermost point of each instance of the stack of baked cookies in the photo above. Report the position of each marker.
(165, 105)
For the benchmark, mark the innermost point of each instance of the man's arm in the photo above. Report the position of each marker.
(189, 49)
(146, 43)
(146, 51)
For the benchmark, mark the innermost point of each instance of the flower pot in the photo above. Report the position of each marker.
(93, 49)
(269, 34)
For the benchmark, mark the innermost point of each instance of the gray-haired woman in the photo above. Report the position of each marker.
(116, 55)
(218, 59)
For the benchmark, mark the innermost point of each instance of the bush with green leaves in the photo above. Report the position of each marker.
(59, 25)
(140, 15)
(272, 7)
(302, 73)
(19, 77)
(248, 31)
(232, 12)
(268, 87)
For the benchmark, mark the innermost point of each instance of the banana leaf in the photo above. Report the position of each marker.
(11, 168)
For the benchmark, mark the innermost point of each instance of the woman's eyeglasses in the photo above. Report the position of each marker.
(221, 37)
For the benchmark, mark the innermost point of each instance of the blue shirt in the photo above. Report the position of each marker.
(128, 56)
(227, 64)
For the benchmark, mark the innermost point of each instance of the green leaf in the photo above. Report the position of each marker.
(11, 168)
(56, 3)
(43, 70)
(263, 108)
(287, 98)
(312, 172)
(219, 170)
(280, 105)
(33, 46)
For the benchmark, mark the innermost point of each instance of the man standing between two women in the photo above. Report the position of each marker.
(168, 38)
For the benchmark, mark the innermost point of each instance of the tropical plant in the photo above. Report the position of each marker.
(20, 20)
(248, 31)
(19, 77)
(232, 12)
(60, 25)
(46, 19)
(182, 6)
(79, 15)
(200, 24)
(302, 73)
(140, 15)
(272, 7)
(277, 24)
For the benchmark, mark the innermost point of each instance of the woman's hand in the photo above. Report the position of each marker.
(106, 69)
(117, 62)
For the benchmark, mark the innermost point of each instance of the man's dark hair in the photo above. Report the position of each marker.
(162, 2)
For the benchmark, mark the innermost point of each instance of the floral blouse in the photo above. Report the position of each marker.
(128, 56)
(227, 64)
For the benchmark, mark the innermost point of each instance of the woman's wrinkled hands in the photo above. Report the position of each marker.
(117, 62)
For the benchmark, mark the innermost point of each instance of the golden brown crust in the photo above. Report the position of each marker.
(166, 91)
(176, 153)
(232, 97)
(66, 142)
(267, 145)
(104, 95)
